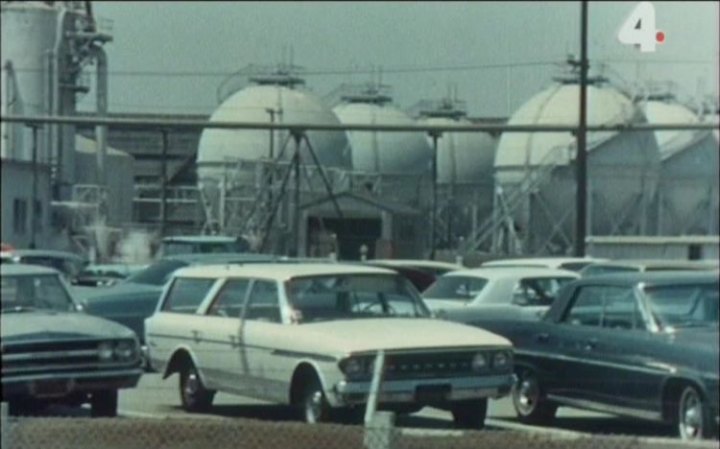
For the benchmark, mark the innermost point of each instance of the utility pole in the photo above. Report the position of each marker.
(163, 181)
(433, 214)
(34, 203)
(581, 156)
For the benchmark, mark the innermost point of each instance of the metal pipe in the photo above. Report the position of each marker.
(101, 91)
(296, 219)
(163, 180)
(55, 149)
(125, 123)
(581, 157)
(34, 200)
(433, 212)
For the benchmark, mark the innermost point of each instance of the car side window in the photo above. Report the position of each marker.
(620, 309)
(186, 294)
(229, 301)
(586, 309)
(263, 303)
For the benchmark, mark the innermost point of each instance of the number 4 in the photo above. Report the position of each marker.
(639, 28)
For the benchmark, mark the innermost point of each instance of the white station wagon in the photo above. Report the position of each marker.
(307, 336)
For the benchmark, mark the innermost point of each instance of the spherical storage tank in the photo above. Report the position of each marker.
(539, 167)
(687, 195)
(254, 104)
(29, 32)
(464, 170)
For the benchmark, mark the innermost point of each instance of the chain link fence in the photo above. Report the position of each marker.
(189, 433)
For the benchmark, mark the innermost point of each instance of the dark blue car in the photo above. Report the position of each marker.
(642, 345)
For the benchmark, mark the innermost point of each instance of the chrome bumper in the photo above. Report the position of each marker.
(406, 391)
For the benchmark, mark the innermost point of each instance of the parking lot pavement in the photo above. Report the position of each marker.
(155, 397)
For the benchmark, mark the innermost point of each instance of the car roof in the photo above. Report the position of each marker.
(512, 272)
(277, 271)
(538, 261)
(46, 253)
(418, 263)
(658, 263)
(200, 238)
(15, 269)
(219, 258)
(654, 278)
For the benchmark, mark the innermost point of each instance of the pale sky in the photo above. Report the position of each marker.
(171, 56)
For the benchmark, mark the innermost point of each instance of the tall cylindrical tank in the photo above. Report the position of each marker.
(536, 171)
(29, 35)
(689, 171)
(264, 103)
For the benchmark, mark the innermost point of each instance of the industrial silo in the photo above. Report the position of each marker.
(234, 166)
(688, 188)
(45, 46)
(464, 161)
(535, 173)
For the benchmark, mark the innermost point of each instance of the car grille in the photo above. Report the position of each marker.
(52, 357)
(419, 366)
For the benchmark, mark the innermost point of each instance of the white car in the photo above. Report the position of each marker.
(563, 263)
(308, 335)
(500, 292)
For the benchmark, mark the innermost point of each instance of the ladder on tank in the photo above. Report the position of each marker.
(508, 204)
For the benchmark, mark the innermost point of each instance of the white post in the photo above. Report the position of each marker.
(379, 426)
(4, 427)
(374, 386)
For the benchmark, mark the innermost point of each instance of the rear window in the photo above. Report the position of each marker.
(186, 294)
(594, 270)
(461, 288)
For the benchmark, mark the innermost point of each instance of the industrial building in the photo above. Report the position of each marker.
(355, 193)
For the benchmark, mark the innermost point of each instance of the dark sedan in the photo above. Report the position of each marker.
(642, 345)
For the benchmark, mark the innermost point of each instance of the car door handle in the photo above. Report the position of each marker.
(542, 338)
(590, 344)
(196, 335)
(234, 341)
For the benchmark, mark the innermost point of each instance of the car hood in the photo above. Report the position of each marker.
(369, 335)
(27, 327)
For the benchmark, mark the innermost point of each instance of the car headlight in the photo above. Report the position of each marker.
(501, 360)
(125, 350)
(352, 367)
(479, 362)
(106, 351)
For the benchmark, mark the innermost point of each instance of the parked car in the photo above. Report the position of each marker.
(53, 352)
(507, 293)
(420, 278)
(307, 335)
(105, 275)
(436, 267)
(69, 264)
(642, 345)
(135, 298)
(202, 244)
(625, 266)
(558, 263)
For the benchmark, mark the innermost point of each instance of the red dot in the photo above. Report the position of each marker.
(660, 37)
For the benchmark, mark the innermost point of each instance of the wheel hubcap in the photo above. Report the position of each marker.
(691, 416)
(191, 385)
(527, 394)
(313, 407)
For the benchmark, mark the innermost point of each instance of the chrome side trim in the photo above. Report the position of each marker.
(601, 407)
(649, 368)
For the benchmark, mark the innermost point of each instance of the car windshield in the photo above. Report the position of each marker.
(685, 305)
(173, 248)
(351, 296)
(593, 270)
(32, 292)
(457, 288)
(157, 273)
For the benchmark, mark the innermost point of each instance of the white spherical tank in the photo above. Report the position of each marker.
(385, 153)
(689, 172)
(253, 105)
(539, 168)
(29, 33)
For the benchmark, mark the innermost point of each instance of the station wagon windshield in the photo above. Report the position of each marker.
(339, 297)
(32, 292)
(685, 305)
